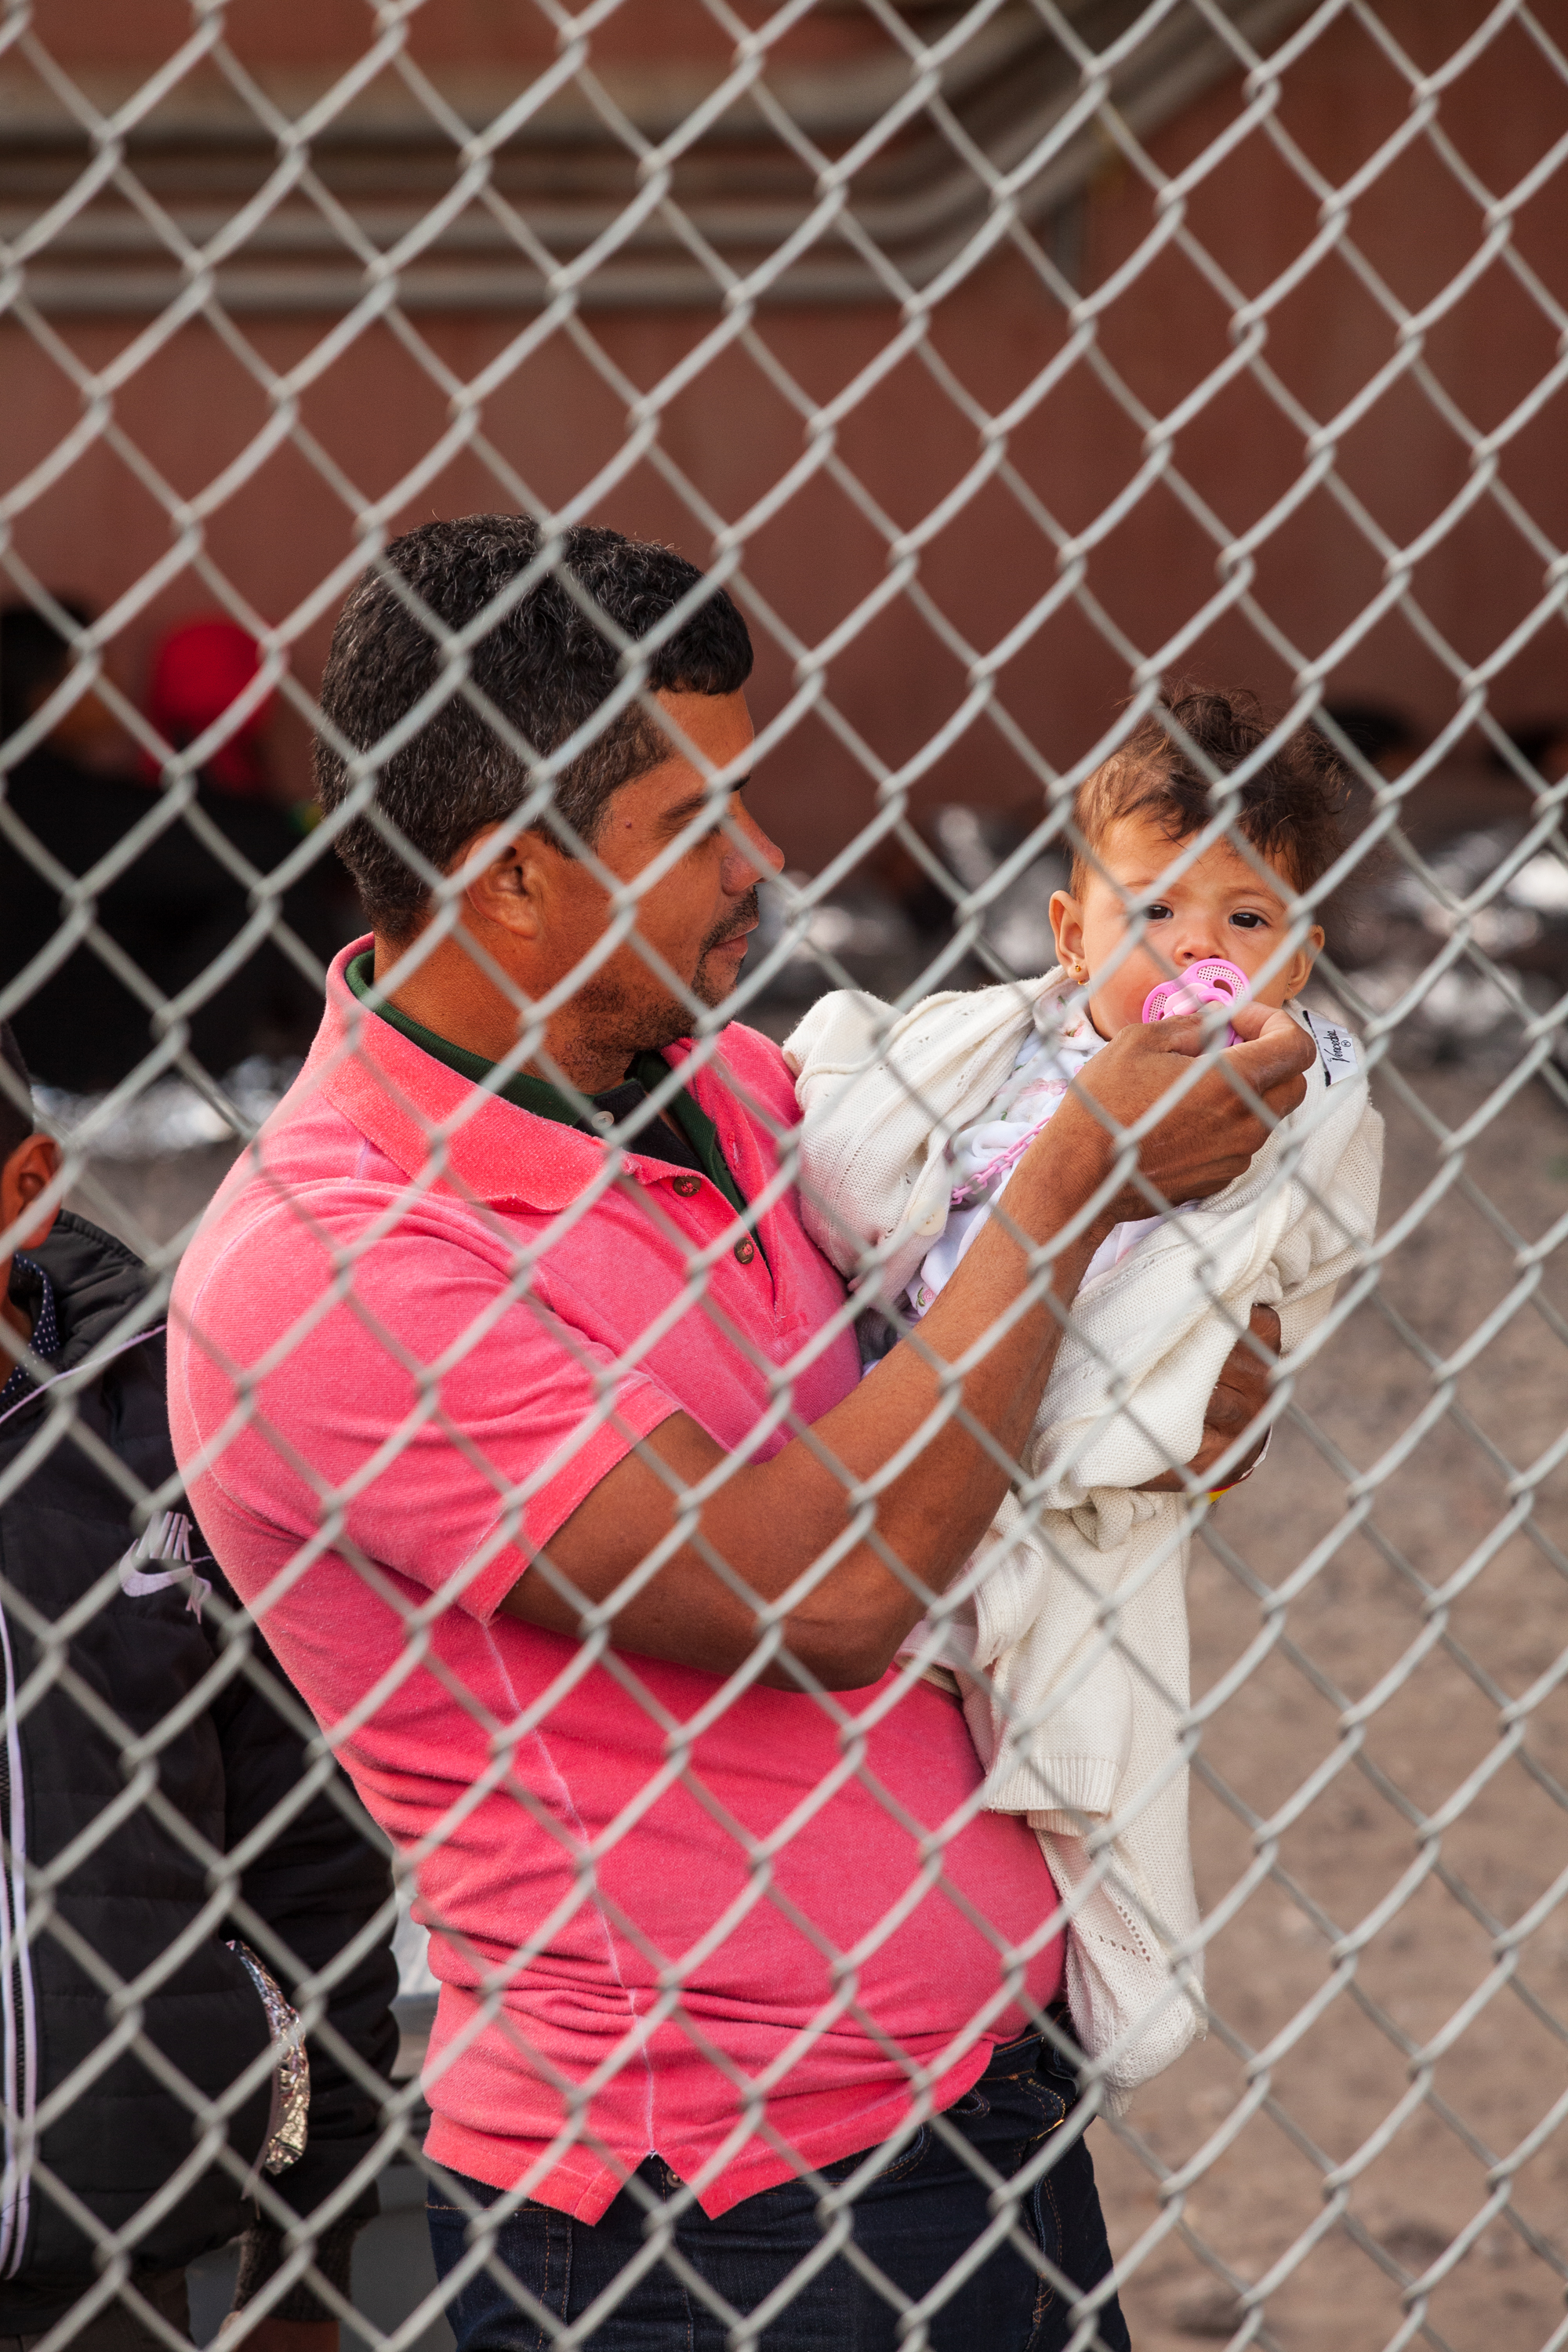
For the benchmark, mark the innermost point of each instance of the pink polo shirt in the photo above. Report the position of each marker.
(665, 1922)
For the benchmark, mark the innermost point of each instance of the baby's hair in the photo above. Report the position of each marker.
(1291, 807)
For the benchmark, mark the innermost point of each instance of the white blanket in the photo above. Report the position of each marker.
(1068, 1629)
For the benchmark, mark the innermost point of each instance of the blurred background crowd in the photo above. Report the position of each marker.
(178, 906)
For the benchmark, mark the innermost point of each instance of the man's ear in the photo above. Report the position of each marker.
(514, 879)
(1066, 922)
(27, 1174)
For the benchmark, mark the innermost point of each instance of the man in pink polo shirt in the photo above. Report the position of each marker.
(516, 1402)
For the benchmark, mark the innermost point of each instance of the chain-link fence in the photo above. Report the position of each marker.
(1006, 365)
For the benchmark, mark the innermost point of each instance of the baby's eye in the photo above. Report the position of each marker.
(1249, 919)
(1157, 913)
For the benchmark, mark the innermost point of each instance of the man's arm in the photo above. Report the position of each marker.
(785, 1530)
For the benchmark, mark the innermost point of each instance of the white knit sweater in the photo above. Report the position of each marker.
(1068, 1629)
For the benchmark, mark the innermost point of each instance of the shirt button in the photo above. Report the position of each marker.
(687, 1185)
(745, 1251)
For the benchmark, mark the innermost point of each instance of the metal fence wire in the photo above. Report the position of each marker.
(1366, 2140)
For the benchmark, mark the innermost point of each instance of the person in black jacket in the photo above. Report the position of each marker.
(152, 2098)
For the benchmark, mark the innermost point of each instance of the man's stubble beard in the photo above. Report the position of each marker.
(622, 1022)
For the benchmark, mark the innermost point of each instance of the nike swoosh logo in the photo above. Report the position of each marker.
(168, 1538)
(137, 1584)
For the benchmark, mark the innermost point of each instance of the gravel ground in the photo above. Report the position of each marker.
(1429, 1972)
(1418, 2177)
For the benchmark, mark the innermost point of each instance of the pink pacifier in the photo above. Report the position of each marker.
(1213, 981)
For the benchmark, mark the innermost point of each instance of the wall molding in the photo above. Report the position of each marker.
(560, 184)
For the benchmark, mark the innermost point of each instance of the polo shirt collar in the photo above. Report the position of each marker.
(526, 1092)
(395, 1092)
(649, 1070)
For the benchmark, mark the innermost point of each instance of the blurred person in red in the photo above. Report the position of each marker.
(199, 670)
(173, 910)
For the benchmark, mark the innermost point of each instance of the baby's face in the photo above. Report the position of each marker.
(1221, 906)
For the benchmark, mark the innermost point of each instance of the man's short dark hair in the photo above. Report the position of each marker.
(545, 664)
(15, 1119)
(1289, 808)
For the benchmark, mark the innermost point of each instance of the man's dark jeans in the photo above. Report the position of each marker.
(918, 2216)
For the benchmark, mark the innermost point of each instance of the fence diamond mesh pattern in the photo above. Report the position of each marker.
(1370, 2137)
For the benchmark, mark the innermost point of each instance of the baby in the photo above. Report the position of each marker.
(1066, 1633)
(1138, 913)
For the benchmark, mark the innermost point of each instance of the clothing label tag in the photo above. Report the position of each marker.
(1336, 1046)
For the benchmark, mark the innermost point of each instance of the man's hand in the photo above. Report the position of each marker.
(1209, 1136)
(1241, 1394)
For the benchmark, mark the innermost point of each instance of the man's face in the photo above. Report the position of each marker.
(697, 914)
